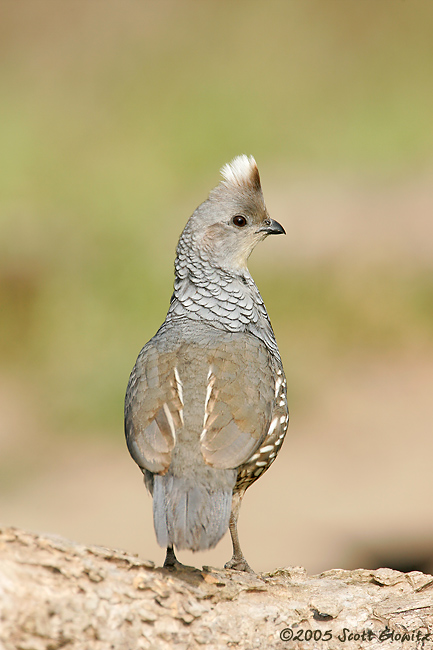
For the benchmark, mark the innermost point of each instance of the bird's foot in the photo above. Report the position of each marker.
(174, 566)
(171, 562)
(238, 564)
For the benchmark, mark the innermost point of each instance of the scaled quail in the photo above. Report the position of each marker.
(206, 407)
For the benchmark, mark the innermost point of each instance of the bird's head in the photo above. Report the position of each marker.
(233, 220)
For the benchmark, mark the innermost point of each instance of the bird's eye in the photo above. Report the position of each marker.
(239, 221)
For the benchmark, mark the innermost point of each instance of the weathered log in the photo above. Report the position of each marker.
(58, 594)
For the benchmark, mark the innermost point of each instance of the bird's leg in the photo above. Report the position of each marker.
(238, 562)
(171, 561)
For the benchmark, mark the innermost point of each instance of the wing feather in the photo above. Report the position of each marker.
(153, 410)
(239, 402)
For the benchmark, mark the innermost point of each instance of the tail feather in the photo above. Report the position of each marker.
(189, 516)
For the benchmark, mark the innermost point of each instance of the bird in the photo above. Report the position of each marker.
(206, 403)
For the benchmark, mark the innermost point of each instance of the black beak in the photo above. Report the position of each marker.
(271, 227)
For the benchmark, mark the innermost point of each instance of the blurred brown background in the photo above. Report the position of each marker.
(115, 118)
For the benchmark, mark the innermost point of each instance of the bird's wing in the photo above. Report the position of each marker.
(239, 403)
(153, 410)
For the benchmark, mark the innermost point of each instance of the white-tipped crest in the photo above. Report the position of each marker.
(242, 170)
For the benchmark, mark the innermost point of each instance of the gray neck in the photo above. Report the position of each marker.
(225, 299)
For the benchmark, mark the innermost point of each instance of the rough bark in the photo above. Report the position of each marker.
(57, 594)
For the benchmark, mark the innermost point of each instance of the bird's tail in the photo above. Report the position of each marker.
(189, 516)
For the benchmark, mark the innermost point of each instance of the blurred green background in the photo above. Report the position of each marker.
(115, 118)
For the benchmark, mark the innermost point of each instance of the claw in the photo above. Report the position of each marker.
(171, 561)
(238, 564)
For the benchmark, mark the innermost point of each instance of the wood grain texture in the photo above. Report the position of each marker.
(57, 594)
